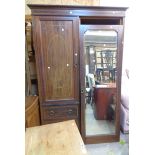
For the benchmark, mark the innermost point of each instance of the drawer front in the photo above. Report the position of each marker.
(60, 112)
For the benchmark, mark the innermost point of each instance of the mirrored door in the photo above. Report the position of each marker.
(101, 52)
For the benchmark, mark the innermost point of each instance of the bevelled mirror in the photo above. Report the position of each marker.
(100, 47)
(100, 73)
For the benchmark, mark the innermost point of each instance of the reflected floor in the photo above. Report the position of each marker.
(95, 127)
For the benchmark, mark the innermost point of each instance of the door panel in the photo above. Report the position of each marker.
(59, 59)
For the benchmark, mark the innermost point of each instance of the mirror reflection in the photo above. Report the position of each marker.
(100, 48)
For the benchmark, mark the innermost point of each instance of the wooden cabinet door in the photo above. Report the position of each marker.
(57, 58)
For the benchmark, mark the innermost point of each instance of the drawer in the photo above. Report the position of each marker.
(60, 112)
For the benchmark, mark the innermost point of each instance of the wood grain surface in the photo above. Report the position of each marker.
(32, 116)
(57, 42)
(54, 139)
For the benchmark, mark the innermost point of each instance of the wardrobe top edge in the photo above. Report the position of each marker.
(74, 7)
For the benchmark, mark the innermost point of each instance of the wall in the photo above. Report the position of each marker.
(60, 2)
(139, 56)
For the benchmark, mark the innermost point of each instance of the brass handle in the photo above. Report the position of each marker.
(70, 111)
(51, 112)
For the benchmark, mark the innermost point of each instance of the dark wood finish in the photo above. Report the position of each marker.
(53, 114)
(66, 10)
(103, 97)
(56, 47)
(32, 116)
(101, 139)
(57, 43)
(100, 21)
(60, 85)
(60, 112)
(58, 70)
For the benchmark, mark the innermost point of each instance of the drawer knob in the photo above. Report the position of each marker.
(70, 111)
(82, 91)
(51, 112)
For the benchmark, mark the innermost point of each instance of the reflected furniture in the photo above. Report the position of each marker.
(104, 102)
(61, 138)
(106, 75)
(58, 40)
(32, 116)
(106, 64)
(90, 87)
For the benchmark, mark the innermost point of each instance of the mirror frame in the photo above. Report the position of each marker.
(119, 30)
